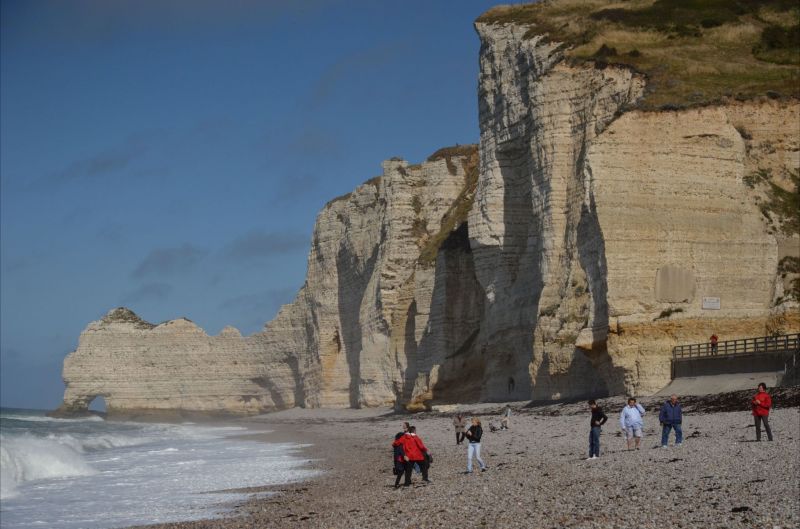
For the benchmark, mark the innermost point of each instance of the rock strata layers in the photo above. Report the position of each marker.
(140, 367)
(349, 339)
(563, 257)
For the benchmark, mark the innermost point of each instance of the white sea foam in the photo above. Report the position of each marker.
(27, 458)
(53, 472)
(89, 443)
(44, 418)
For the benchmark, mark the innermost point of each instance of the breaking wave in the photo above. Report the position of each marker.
(27, 458)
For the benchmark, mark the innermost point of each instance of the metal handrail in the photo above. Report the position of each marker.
(746, 346)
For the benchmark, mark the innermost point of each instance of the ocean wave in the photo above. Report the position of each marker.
(95, 441)
(42, 418)
(27, 458)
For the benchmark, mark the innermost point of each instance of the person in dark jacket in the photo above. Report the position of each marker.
(414, 451)
(761, 404)
(398, 460)
(474, 435)
(671, 416)
(595, 424)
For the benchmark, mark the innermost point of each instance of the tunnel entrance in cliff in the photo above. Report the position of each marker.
(97, 403)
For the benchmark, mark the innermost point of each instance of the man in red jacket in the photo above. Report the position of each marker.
(761, 403)
(415, 452)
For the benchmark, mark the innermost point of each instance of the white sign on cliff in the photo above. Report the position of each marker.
(711, 304)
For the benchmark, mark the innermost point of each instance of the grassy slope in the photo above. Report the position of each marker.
(693, 52)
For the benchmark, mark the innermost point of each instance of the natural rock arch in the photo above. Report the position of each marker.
(97, 403)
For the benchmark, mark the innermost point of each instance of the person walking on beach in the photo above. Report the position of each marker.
(671, 417)
(414, 451)
(398, 460)
(460, 425)
(596, 423)
(761, 404)
(631, 422)
(506, 418)
(474, 435)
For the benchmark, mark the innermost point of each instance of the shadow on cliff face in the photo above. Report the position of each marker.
(457, 309)
(265, 383)
(410, 352)
(590, 374)
(278, 400)
(516, 273)
(591, 247)
(592, 257)
(353, 280)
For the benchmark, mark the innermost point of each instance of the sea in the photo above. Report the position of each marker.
(92, 473)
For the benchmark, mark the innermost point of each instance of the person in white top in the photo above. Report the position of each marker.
(631, 422)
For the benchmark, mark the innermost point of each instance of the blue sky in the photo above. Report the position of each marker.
(171, 156)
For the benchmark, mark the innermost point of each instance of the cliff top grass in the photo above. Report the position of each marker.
(693, 52)
(453, 151)
(126, 315)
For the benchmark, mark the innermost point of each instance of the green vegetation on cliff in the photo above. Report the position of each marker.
(781, 209)
(693, 52)
(458, 212)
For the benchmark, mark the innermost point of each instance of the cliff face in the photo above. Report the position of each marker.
(597, 230)
(350, 338)
(137, 366)
(565, 259)
(367, 293)
(537, 242)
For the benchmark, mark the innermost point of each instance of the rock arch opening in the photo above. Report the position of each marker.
(97, 403)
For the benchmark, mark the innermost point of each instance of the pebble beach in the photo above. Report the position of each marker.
(538, 475)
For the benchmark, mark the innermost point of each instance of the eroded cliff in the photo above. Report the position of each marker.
(563, 257)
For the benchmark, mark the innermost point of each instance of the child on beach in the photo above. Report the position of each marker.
(595, 424)
(631, 422)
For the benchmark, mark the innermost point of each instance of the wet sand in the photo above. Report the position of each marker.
(538, 475)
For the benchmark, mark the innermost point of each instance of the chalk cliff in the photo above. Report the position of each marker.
(348, 339)
(140, 367)
(564, 256)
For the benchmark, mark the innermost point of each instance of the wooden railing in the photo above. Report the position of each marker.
(789, 343)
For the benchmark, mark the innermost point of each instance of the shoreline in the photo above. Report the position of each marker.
(537, 476)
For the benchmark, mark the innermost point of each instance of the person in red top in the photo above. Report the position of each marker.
(714, 341)
(761, 403)
(414, 451)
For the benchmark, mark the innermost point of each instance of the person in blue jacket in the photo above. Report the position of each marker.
(671, 417)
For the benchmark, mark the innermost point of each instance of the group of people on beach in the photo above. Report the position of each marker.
(670, 417)
(410, 452)
(631, 422)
